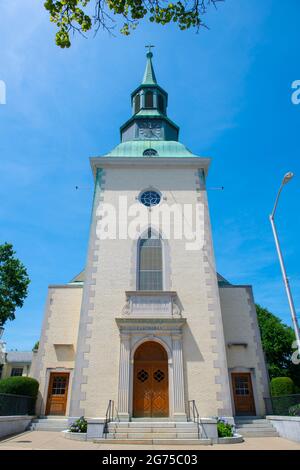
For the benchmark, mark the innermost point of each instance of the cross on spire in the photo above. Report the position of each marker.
(149, 46)
(149, 75)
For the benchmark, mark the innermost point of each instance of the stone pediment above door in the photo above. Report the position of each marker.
(152, 304)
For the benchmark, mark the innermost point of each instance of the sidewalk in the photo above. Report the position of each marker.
(45, 440)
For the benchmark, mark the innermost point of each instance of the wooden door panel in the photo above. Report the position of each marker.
(160, 388)
(151, 390)
(243, 394)
(142, 390)
(57, 393)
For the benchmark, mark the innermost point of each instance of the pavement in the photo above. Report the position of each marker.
(46, 440)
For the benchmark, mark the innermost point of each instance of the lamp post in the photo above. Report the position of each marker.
(287, 177)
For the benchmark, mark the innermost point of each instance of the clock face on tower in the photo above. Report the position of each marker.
(150, 129)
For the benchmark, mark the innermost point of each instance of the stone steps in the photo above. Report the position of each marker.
(153, 432)
(153, 425)
(154, 435)
(49, 424)
(255, 427)
(156, 441)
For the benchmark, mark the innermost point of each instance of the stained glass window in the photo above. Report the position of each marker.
(150, 263)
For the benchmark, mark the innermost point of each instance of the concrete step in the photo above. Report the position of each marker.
(152, 429)
(156, 441)
(253, 425)
(250, 420)
(155, 435)
(151, 424)
(49, 424)
(259, 434)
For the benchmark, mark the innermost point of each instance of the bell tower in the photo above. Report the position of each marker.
(151, 335)
(149, 103)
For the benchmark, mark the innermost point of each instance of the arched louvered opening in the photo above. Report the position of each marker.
(137, 104)
(150, 268)
(149, 99)
(161, 103)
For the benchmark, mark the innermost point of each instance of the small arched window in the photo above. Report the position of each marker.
(150, 153)
(150, 263)
(161, 103)
(149, 99)
(137, 104)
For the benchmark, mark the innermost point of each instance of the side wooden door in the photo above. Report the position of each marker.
(57, 393)
(243, 394)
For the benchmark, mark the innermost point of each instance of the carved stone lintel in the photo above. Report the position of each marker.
(156, 304)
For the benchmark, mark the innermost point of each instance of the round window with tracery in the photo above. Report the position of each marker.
(150, 198)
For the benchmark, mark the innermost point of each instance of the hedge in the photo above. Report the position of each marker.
(20, 386)
(282, 386)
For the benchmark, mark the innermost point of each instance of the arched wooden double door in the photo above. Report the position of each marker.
(151, 381)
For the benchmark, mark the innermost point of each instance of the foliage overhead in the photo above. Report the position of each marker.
(14, 283)
(81, 16)
(36, 346)
(277, 340)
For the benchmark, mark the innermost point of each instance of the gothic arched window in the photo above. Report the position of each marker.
(149, 99)
(161, 104)
(150, 276)
(137, 104)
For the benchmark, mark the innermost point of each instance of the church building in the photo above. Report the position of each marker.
(149, 327)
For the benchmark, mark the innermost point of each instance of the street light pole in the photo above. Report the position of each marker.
(285, 180)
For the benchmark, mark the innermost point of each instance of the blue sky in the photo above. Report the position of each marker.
(229, 90)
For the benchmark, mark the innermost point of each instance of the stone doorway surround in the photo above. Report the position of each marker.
(151, 316)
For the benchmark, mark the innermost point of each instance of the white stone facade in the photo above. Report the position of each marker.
(95, 326)
(98, 325)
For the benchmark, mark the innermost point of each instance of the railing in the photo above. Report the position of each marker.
(284, 405)
(111, 415)
(12, 405)
(193, 415)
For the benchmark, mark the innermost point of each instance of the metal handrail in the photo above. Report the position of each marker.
(109, 416)
(195, 417)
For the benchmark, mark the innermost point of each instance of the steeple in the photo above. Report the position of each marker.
(149, 102)
(149, 75)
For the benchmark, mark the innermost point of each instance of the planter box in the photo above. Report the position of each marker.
(75, 436)
(237, 438)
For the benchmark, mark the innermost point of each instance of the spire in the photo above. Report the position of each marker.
(149, 75)
(149, 101)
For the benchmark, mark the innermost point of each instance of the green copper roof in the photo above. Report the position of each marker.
(164, 148)
(149, 75)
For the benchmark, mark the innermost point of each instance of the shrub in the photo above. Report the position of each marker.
(282, 386)
(80, 425)
(224, 429)
(294, 410)
(20, 386)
